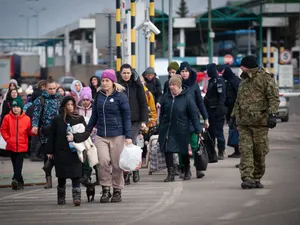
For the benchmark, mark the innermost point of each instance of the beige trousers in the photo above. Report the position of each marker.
(109, 150)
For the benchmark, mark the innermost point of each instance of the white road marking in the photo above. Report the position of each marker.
(20, 194)
(229, 216)
(251, 203)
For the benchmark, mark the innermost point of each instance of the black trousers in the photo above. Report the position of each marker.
(17, 159)
(48, 173)
(62, 182)
(170, 161)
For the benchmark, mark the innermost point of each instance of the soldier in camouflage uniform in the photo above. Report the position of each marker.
(254, 113)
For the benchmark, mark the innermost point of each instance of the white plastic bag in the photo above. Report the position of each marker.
(130, 158)
(2, 143)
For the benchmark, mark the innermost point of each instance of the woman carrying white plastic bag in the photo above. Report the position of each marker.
(131, 158)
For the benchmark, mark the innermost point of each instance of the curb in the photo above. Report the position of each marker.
(25, 185)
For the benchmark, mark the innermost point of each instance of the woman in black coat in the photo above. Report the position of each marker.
(138, 107)
(177, 110)
(11, 95)
(67, 163)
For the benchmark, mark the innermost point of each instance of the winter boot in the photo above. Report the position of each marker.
(258, 184)
(199, 174)
(181, 175)
(61, 195)
(127, 178)
(116, 195)
(48, 182)
(187, 172)
(106, 195)
(170, 176)
(248, 184)
(176, 170)
(221, 155)
(76, 194)
(14, 184)
(21, 184)
(136, 176)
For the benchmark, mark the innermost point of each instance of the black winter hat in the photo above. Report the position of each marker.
(249, 62)
(66, 99)
(212, 70)
(184, 65)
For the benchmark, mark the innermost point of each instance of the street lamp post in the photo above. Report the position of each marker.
(27, 19)
(37, 12)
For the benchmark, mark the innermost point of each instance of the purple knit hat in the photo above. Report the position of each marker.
(109, 74)
(86, 93)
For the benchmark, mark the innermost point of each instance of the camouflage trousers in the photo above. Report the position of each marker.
(254, 146)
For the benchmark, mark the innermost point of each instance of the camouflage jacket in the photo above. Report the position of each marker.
(257, 98)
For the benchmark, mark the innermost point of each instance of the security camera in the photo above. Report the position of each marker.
(138, 27)
(152, 27)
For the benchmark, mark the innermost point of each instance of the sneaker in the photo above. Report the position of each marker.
(135, 176)
(106, 195)
(221, 156)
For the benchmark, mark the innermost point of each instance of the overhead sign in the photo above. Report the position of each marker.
(228, 59)
(286, 78)
(285, 56)
(184, 23)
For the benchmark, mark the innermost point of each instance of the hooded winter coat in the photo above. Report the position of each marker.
(194, 89)
(74, 93)
(175, 116)
(67, 163)
(15, 131)
(137, 99)
(94, 89)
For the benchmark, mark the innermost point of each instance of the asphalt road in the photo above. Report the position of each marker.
(214, 200)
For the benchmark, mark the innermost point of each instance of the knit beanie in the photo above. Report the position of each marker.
(86, 93)
(183, 66)
(149, 70)
(249, 62)
(176, 80)
(109, 74)
(173, 66)
(17, 102)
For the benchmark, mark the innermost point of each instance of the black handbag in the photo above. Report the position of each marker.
(201, 156)
(48, 166)
(210, 147)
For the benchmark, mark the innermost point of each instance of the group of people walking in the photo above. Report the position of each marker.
(113, 112)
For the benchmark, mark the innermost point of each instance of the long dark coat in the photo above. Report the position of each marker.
(67, 163)
(174, 130)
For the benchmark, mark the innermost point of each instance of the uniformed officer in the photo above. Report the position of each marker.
(232, 86)
(254, 112)
(215, 104)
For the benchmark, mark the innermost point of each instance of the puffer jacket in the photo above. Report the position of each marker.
(85, 112)
(111, 115)
(15, 131)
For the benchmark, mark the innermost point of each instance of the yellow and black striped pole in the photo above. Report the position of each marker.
(133, 36)
(265, 57)
(281, 49)
(118, 35)
(152, 37)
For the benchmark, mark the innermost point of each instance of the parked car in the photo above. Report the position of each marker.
(66, 82)
(283, 111)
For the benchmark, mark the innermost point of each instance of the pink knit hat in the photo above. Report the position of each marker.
(109, 74)
(86, 93)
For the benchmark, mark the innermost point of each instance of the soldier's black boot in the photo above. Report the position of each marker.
(187, 172)
(248, 184)
(106, 195)
(76, 194)
(117, 197)
(199, 174)
(170, 176)
(61, 195)
(258, 184)
(181, 175)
